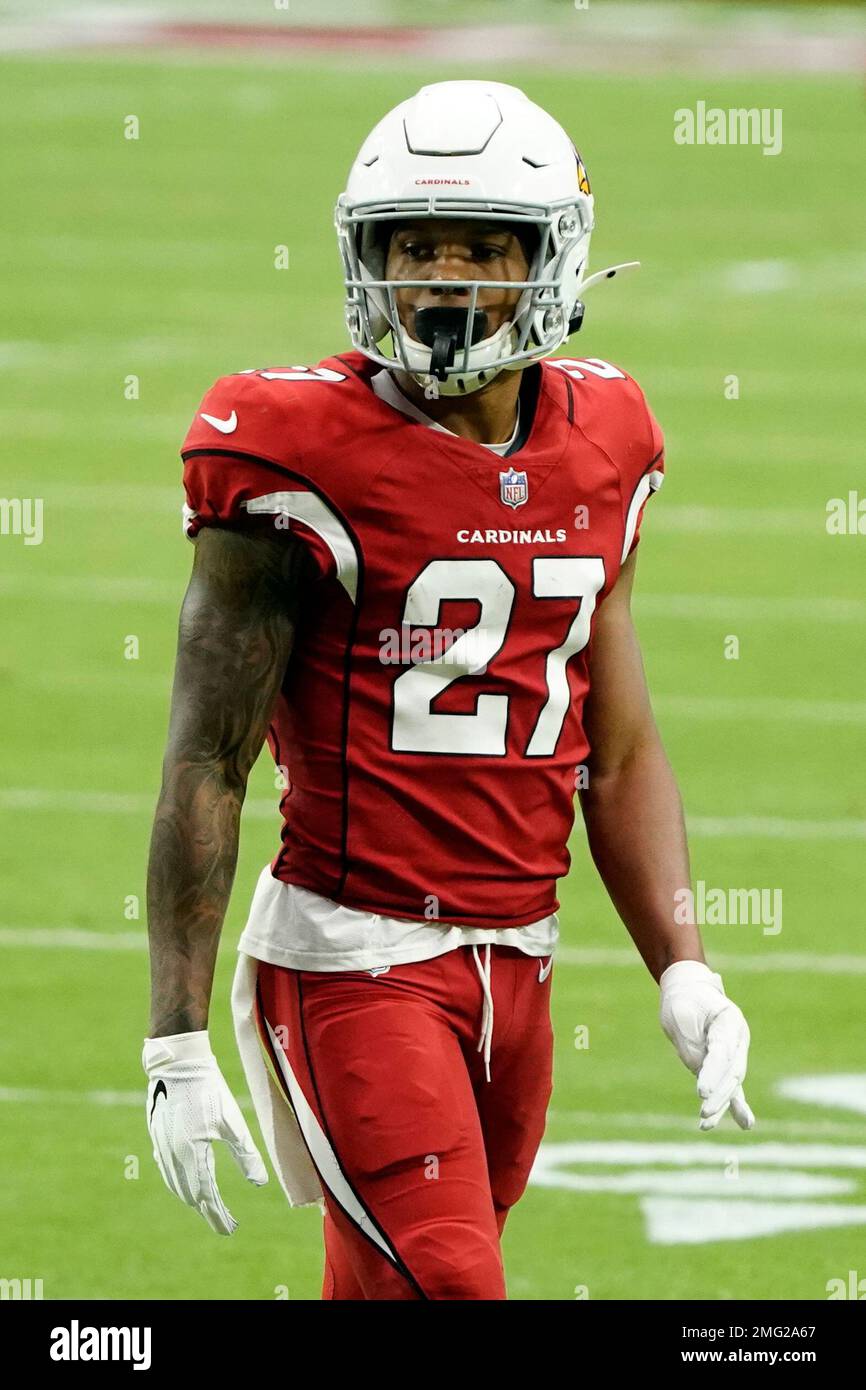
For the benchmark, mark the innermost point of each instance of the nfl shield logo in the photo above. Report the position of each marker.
(513, 488)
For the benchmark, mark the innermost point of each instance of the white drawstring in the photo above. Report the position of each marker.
(485, 1041)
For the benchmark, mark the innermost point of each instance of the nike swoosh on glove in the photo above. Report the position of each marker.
(189, 1105)
(711, 1036)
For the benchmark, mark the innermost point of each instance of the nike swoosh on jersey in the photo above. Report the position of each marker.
(544, 970)
(224, 426)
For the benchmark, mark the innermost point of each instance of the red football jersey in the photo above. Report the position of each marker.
(430, 717)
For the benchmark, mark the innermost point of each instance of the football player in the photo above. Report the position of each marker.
(412, 576)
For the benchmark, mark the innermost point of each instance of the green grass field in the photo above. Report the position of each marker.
(153, 258)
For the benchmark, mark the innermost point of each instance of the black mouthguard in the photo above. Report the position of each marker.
(444, 330)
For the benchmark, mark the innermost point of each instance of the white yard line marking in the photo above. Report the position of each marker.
(133, 250)
(38, 1095)
(720, 607)
(700, 1220)
(111, 497)
(762, 521)
(140, 589)
(80, 355)
(704, 1152)
(684, 1121)
(762, 277)
(698, 1183)
(765, 963)
(108, 803)
(835, 274)
(844, 1090)
(772, 707)
(775, 828)
(73, 938)
(44, 799)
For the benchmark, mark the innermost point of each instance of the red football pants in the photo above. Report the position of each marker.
(422, 1156)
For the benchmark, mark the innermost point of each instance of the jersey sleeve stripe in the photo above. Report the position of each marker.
(650, 482)
(313, 512)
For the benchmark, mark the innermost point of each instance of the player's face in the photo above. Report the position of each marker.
(440, 251)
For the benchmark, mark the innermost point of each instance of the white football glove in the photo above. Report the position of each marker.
(189, 1105)
(711, 1036)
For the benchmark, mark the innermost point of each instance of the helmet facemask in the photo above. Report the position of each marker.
(540, 321)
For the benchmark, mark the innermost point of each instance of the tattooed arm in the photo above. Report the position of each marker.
(235, 638)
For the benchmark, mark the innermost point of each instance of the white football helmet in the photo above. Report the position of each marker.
(468, 150)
